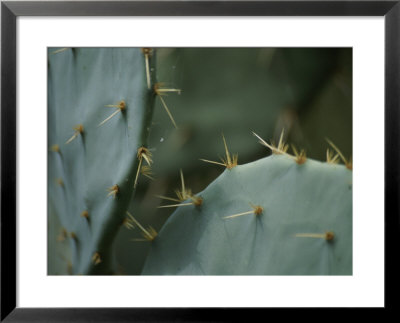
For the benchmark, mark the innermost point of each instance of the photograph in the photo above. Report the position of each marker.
(191, 161)
(200, 161)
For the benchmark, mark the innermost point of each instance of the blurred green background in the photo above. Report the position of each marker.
(234, 91)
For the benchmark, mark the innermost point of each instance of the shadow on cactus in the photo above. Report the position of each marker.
(121, 143)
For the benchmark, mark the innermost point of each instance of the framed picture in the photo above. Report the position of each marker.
(185, 157)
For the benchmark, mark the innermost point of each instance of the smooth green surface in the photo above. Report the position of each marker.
(311, 198)
(82, 82)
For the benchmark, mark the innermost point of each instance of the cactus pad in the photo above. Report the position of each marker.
(269, 217)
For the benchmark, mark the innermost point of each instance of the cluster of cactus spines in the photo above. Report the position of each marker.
(280, 215)
(149, 234)
(229, 161)
(182, 195)
(162, 91)
(143, 154)
(347, 162)
(96, 156)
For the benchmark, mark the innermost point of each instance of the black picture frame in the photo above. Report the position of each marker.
(11, 10)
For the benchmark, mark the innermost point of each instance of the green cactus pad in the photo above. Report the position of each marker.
(89, 152)
(305, 227)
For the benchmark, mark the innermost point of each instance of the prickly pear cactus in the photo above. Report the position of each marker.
(280, 215)
(100, 105)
